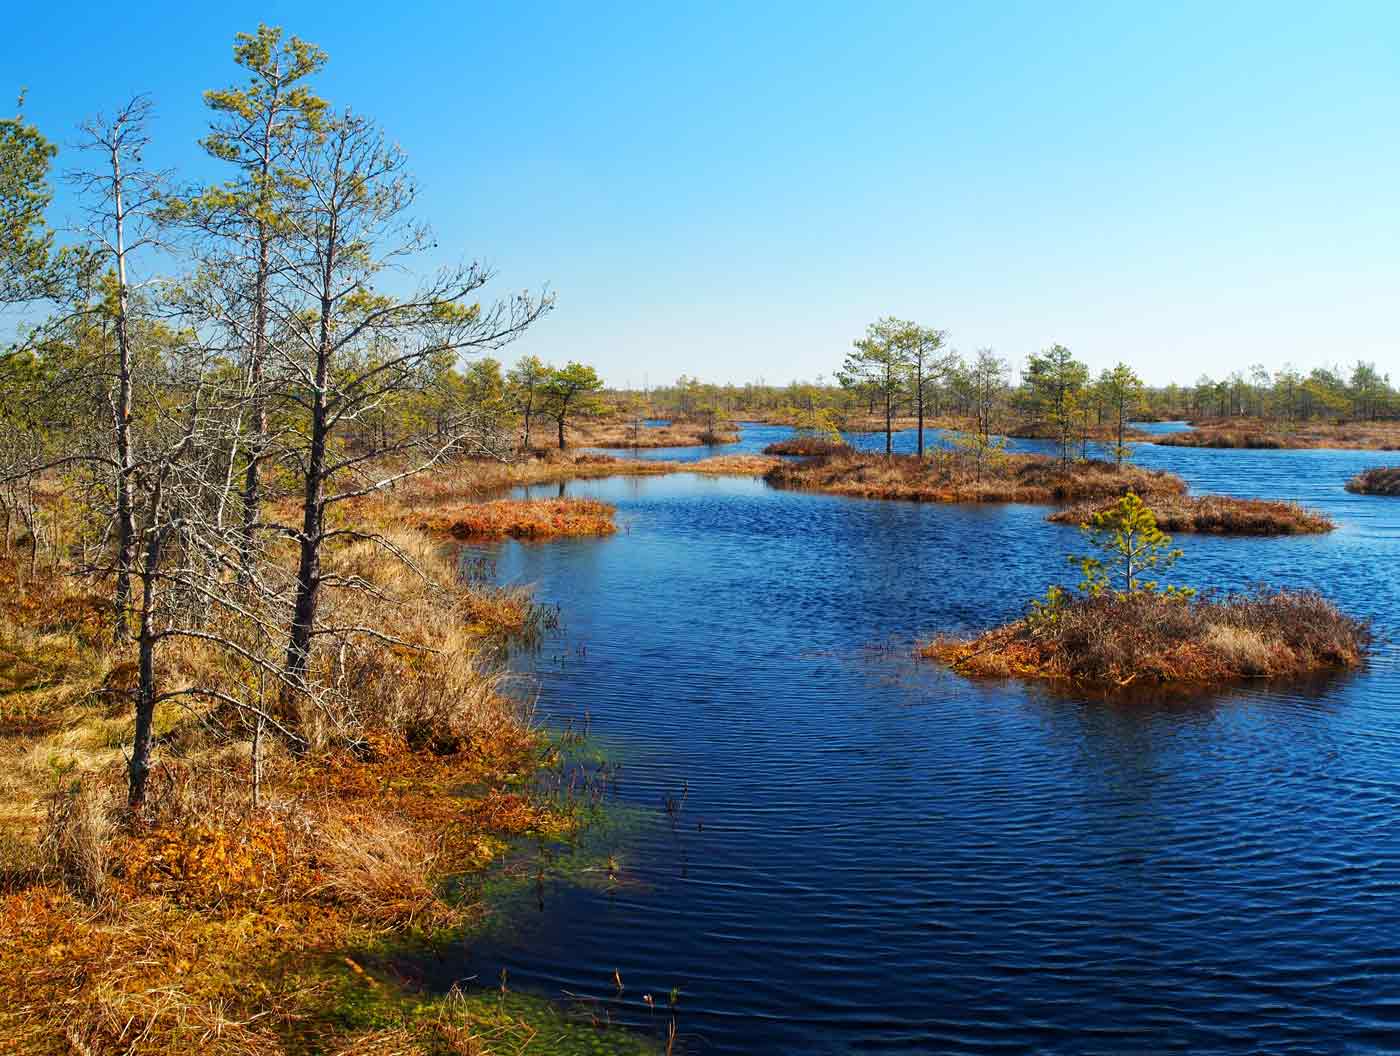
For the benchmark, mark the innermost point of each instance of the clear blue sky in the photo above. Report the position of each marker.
(735, 190)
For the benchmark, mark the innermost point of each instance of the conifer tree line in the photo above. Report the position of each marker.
(212, 375)
(904, 370)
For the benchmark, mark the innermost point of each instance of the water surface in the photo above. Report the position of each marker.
(874, 855)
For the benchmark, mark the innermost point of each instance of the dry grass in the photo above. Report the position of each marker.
(1144, 639)
(1217, 515)
(1260, 434)
(807, 445)
(1383, 480)
(951, 478)
(620, 434)
(206, 925)
(526, 519)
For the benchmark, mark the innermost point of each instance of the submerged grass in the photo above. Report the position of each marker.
(1216, 515)
(949, 478)
(1382, 480)
(1112, 641)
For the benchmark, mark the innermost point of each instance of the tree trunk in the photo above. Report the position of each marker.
(308, 593)
(139, 769)
(126, 523)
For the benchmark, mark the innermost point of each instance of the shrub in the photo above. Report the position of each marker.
(807, 445)
(1383, 480)
(1112, 640)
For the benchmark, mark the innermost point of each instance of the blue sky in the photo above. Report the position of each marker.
(735, 190)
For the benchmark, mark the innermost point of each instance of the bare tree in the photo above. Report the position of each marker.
(344, 346)
(121, 200)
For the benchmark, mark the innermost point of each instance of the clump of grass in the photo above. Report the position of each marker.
(1112, 640)
(949, 477)
(621, 434)
(1217, 515)
(1382, 480)
(807, 445)
(1262, 434)
(526, 519)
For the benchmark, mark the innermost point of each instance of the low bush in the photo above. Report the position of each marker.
(1383, 480)
(1112, 640)
(807, 445)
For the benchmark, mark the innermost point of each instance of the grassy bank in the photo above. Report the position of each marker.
(1217, 515)
(1261, 434)
(1383, 480)
(947, 478)
(250, 917)
(525, 519)
(1111, 641)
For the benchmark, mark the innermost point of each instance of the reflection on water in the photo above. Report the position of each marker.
(875, 855)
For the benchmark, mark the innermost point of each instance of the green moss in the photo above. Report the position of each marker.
(510, 1023)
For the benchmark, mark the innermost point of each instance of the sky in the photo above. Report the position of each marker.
(735, 190)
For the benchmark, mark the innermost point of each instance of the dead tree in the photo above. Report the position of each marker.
(346, 345)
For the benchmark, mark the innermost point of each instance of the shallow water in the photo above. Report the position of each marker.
(875, 855)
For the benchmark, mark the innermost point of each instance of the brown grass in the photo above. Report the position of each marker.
(1383, 480)
(526, 519)
(1259, 434)
(619, 434)
(1217, 515)
(807, 445)
(951, 478)
(1144, 639)
(206, 925)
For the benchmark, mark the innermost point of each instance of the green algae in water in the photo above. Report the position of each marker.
(509, 1023)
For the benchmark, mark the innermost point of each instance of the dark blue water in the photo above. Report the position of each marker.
(874, 855)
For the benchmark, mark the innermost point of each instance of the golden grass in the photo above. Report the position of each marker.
(952, 478)
(206, 925)
(1144, 639)
(1217, 515)
(620, 434)
(526, 519)
(1261, 434)
(1383, 480)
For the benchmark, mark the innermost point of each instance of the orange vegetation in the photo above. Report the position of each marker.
(1146, 639)
(1383, 480)
(950, 477)
(1217, 515)
(1273, 434)
(526, 519)
(214, 923)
